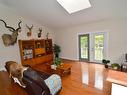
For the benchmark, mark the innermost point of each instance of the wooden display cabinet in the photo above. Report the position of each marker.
(35, 52)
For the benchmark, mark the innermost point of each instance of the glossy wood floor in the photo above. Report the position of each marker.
(85, 79)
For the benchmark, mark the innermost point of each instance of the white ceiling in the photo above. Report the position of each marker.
(51, 14)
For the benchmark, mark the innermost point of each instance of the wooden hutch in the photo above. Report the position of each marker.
(36, 52)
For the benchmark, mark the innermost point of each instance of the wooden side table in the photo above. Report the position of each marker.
(63, 69)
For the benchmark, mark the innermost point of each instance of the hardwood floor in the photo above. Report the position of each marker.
(85, 79)
(8, 88)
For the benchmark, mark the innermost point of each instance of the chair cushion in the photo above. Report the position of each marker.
(54, 83)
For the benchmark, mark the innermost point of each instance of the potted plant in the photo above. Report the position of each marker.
(57, 61)
(115, 66)
(56, 50)
(105, 62)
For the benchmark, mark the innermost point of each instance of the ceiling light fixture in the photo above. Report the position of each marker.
(72, 6)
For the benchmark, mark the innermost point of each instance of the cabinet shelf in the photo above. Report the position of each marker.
(34, 51)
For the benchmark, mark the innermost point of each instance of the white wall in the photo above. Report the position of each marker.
(117, 39)
(12, 19)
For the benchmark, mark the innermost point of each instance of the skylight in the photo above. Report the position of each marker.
(72, 6)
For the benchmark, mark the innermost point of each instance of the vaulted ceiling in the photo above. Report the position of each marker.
(51, 14)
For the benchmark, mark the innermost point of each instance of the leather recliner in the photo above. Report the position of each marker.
(35, 82)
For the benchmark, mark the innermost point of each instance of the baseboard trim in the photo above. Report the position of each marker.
(64, 59)
(72, 60)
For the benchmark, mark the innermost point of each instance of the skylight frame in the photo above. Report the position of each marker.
(72, 6)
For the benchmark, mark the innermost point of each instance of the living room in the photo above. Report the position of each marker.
(108, 17)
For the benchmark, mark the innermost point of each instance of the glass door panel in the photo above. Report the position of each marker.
(98, 47)
(84, 47)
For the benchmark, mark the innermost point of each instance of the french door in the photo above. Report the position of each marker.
(92, 47)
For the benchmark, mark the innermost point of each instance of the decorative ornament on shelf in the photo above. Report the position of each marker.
(47, 35)
(11, 39)
(40, 32)
(29, 33)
